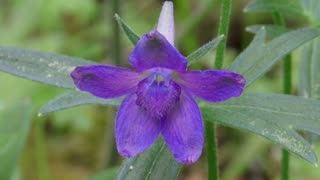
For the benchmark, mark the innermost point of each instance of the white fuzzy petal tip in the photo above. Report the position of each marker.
(166, 21)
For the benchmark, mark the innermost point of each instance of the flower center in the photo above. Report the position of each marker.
(157, 93)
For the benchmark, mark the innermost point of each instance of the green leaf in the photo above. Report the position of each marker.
(288, 8)
(311, 9)
(258, 57)
(309, 75)
(156, 163)
(203, 50)
(271, 30)
(76, 98)
(309, 80)
(52, 69)
(106, 175)
(133, 37)
(275, 117)
(14, 127)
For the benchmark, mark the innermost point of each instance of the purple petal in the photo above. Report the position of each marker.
(183, 131)
(154, 50)
(105, 81)
(166, 22)
(135, 132)
(213, 85)
(156, 95)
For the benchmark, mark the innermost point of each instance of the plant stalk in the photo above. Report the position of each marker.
(41, 156)
(116, 34)
(287, 88)
(210, 129)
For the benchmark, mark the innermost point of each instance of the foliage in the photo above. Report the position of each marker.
(274, 117)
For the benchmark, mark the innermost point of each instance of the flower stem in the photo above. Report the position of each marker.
(111, 152)
(211, 147)
(211, 140)
(40, 150)
(287, 83)
(223, 30)
(116, 34)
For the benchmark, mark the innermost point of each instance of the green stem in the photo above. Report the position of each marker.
(111, 153)
(211, 140)
(285, 165)
(116, 34)
(40, 151)
(223, 30)
(211, 147)
(287, 84)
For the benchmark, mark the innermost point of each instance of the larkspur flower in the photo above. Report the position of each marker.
(159, 94)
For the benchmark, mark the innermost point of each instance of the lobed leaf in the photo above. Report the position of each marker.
(132, 36)
(156, 163)
(258, 57)
(76, 98)
(203, 50)
(14, 128)
(275, 117)
(52, 69)
(288, 8)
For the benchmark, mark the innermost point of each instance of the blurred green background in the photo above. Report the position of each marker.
(77, 143)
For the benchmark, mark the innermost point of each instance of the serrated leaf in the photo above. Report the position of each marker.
(311, 9)
(132, 36)
(155, 163)
(14, 128)
(275, 117)
(76, 98)
(52, 69)
(271, 30)
(258, 57)
(287, 8)
(203, 50)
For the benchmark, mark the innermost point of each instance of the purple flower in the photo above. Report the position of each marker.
(159, 94)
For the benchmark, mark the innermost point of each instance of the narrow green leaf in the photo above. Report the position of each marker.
(259, 57)
(203, 50)
(309, 75)
(272, 30)
(311, 9)
(76, 98)
(106, 174)
(133, 37)
(14, 127)
(275, 117)
(288, 8)
(52, 69)
(309, 83)
(305, 71)
(156, 163)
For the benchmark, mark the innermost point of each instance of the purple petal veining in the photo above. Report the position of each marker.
(105, 81)
(159, 94)
(182, 130)
(135, 131)
(213, 85)
(154, 50)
